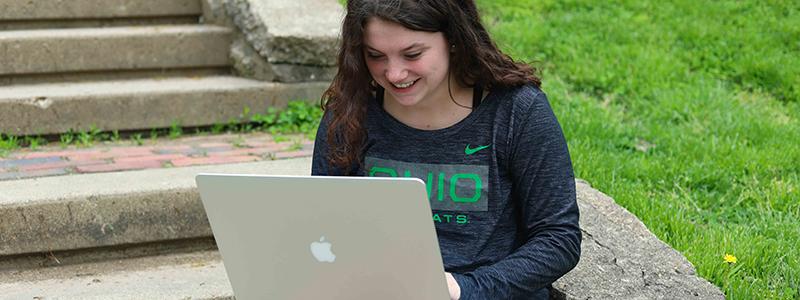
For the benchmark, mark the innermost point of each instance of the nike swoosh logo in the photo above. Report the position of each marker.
(470, 151)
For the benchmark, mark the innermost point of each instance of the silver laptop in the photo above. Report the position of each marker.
(295, 237)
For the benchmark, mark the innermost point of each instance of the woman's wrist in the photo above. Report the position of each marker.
(452, 286)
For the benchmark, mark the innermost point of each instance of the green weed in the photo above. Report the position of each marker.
(175, 130)
(34, 142)
(115, 136)
(8, 143)
(137, 139)
(87, 138)
(67, 138)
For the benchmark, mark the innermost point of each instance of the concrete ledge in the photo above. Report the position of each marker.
(96, 210)
(282, 35)
(138, 104)
(198, 275)
(95, 9)
(249, 64)
(622, 259)
(113, 48)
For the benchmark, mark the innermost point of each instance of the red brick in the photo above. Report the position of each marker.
(244, 151)
(215, 145)
(300, 153)
(62, 153)
(157, 158)
(212, 160)
(62, 164)
(112, 153)
(120, 167)
(131, 151)
(256, 144)
(173, 149)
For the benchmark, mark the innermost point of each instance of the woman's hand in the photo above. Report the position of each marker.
(452, 286)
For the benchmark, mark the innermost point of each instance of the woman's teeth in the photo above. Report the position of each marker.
(403, 85)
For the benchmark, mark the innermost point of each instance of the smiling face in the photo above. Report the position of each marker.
(410, 65)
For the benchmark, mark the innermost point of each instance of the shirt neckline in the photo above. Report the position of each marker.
(399, 127)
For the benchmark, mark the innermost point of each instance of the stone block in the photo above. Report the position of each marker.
(114, 48)
(95, 9)
(288, 32)
(142, 104)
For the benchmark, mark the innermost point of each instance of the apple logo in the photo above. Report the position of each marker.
(322, 251)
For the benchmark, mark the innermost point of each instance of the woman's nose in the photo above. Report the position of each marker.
(396, 72)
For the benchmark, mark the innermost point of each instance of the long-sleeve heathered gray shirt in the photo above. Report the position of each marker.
(500, 185)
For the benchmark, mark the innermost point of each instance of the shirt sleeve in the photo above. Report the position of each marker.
(543, 182)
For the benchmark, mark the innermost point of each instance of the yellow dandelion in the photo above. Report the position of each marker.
(730, 258)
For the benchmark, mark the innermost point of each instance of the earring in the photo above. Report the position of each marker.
(452, 48)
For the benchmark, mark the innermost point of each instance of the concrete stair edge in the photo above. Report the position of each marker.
(95, 9)
(195, 275)
(105, 209)
(114, 48)
(128, 104)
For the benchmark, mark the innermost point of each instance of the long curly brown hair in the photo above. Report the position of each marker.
(479, 61)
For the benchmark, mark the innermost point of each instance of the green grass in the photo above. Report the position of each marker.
(686, 113)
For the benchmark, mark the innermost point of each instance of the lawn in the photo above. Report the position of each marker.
(686, 113)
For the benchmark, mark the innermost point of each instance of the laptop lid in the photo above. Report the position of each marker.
(304, 237)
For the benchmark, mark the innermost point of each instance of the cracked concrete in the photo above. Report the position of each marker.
(622, 259)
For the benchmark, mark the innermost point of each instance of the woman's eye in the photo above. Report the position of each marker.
(374, 55)
(413, 55)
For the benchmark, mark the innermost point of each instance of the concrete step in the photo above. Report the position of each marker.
(113, 48)
(71, 212)
(96, 9)
(193, 275)
(28, 79)
(141, 104)
(78, 23)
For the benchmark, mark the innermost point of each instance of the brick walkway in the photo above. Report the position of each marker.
(161, 153)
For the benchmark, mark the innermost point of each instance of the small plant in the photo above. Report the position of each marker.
(265, 119)
(154, 134)
(217, 128)
(175, 130)
(298, 117)
(279, 138)
(7, 144)
(115, 136)
(245, 113)
(34, 142)
(87, 138)
(232, 126)
(66, 139)
(137, 139)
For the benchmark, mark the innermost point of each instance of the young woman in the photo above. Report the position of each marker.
(422, 91)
